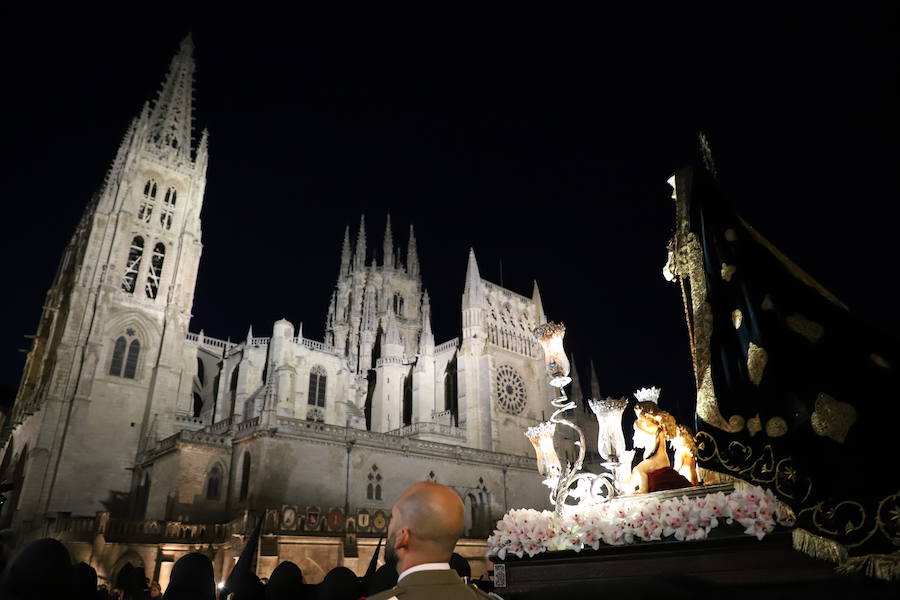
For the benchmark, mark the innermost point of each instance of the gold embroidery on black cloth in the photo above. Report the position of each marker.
(757, 357)
(776, 427)
(737, 318)
(811, 330)
(728, 272)
(690, 265)
(754, 425)
(831, 418)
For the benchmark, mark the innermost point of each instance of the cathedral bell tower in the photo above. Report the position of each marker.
(109, 369)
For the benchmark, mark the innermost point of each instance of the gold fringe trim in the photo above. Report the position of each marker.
(880, 566)
(710, 477)
(818, 546)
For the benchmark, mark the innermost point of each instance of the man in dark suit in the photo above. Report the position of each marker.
(426, 521)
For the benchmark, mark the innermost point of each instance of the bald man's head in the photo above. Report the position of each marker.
(426, 521)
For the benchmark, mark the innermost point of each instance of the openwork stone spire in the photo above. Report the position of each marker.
(412, 254)
(388, 244)
(170, 119)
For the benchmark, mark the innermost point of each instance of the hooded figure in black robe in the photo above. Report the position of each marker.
(42, 570)
(192, 578)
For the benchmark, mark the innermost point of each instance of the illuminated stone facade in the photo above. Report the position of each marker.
(134, 440)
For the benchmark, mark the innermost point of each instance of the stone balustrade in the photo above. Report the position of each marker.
(448, 346)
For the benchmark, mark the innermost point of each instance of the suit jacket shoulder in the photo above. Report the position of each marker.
(431, 585)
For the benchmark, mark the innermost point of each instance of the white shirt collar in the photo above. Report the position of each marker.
(424, 567)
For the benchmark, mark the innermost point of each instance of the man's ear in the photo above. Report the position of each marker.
(403, 538)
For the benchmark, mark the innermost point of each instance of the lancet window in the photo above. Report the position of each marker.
(398, 305)
(317, 381)
(145, 210)
(156, 265)
(168, 210)
(373, 488)
(214, 483)
(125, 356)
(133, 264)
(245, 476)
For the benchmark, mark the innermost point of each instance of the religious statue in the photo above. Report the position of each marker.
(651, 430)
(685, 453)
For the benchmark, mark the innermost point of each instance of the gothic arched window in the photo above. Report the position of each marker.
(134, 350)
(398, 304)
(145, 210)
(133, 264)
(168, 210)
(214, 483)
(407, 400)
(245, 476)
(118, 358)
(155, 273)
(451, 391)
(317, 380)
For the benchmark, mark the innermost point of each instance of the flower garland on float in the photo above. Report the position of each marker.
(527, 531)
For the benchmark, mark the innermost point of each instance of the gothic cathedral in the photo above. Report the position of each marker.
(124, 416)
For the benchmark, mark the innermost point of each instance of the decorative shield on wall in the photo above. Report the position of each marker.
(362, 520)
(288, 517)
(335, 519)
(313, 518)
(379, 521)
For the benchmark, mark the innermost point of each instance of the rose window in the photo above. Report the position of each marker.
(510, 391)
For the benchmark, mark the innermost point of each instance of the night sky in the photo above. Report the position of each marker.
(541, 139)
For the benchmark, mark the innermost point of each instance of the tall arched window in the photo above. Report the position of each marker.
(118, 358)
(245, 476)
(134, 349)
(317, 381)
(168, 209)
(398, 304)
(451, 391)
(198, 405)
(407, 399)
(145, 210)
(155, 273)
(133, 264)
(214, 483)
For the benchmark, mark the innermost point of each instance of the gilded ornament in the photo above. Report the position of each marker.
(754, 425)
(811, 330)
(776, 427)
(730, 235)
(878, 360)
(737, 317)
(832, 419)
(728, 271)
(757, 357)
(767, 303)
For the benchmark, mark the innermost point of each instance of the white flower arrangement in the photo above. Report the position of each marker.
(527, 531)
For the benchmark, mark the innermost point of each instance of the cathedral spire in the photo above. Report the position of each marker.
(359, 258)
(345, 253)
(170, 119)
(473, 280)
(388, 244)
(538, 304)
(595, 383)
(426, 339)
(412, 254)
(575, 393)
(203, 152)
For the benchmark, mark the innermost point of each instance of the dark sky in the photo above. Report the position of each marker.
(543, 139)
